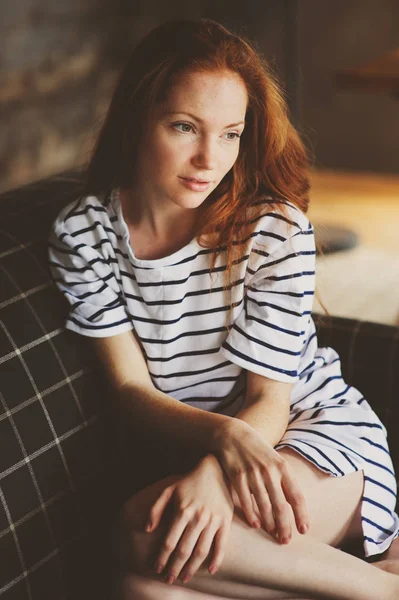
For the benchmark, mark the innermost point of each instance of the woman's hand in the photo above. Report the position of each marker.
(253, 466)
(203, 513)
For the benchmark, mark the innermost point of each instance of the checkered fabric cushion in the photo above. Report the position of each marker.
(61, 477)
(57, 468)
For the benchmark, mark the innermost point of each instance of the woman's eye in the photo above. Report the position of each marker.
(234, 135)
(184, 127)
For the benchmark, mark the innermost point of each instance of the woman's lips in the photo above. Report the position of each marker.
(195, 185)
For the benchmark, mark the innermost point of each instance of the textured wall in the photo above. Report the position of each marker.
(60, 60)
(57, 67)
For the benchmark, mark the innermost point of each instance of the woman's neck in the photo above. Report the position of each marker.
(155, 221)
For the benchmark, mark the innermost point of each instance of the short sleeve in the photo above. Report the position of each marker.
(87, 280)
(269, 335)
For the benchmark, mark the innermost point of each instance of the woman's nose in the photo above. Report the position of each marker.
(205, 156)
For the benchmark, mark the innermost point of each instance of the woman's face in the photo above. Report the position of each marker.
(193, 140)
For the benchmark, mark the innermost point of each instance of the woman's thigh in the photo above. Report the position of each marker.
(128, 583)
(128, 530)
(135, 510)
(333, 503)
(130, 586)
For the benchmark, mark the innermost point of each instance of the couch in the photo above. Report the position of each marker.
(64, 468)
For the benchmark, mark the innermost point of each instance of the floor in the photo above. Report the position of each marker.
(362, 282)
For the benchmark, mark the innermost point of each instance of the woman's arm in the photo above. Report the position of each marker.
(247, 456)
(169, 422)
(266, 407)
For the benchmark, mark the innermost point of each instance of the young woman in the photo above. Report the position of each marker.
(190, 262)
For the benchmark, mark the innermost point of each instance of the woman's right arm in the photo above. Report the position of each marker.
(147, 409)
(204, 436)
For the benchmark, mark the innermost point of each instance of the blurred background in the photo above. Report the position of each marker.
(338, 63)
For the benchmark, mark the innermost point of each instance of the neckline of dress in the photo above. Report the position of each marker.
(169, 260)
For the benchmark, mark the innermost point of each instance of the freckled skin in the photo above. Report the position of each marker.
(191, 136)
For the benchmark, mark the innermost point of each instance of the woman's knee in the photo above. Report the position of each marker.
(132, 546)
(131, 586)
(136, 550)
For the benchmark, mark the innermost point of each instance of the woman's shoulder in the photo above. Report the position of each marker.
(276, 219)
(81, 213)
(274, 212)
(82, 230)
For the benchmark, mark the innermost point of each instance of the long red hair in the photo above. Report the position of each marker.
(272, 159)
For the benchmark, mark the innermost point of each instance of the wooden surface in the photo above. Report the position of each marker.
(362, 282)
(367, 203)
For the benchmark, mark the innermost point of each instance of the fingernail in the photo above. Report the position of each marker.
(212, 570)
(256, 524)
(170, 579)
(185, 579)
(158, 568)
(304, 528)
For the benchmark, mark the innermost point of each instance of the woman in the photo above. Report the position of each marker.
(190, 262)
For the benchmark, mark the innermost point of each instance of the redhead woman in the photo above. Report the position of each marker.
(190, 262)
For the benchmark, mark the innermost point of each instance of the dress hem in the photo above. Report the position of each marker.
(369, 547)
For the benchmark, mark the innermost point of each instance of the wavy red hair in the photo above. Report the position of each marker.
(272, 160)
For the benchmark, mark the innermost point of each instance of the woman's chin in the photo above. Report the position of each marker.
(190, 202)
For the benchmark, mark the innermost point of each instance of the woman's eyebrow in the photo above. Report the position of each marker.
(200, 120)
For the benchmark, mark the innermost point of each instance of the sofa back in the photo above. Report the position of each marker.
(57, 468)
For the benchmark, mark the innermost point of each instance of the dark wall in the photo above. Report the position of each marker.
(60, 61)
(351, 130)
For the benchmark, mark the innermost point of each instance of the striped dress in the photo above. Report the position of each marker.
(178, 311)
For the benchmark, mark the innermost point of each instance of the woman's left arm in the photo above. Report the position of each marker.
(266, 407)
(266, 410)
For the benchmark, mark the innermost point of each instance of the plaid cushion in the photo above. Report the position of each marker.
(62, 475)
(57, 469)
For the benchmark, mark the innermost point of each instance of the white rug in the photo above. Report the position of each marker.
(362, 283)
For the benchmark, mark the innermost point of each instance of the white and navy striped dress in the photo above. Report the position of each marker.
(191, 356)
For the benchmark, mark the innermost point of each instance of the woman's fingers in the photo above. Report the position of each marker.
(187, 547)
(201, 552)
(221, 540)
(281, 512)
(244, 495)
(274, 493)
(295, 497)
(158, 508)
(171, 540)
(261, 497)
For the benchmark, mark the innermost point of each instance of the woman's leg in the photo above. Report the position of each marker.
(256, 566)
(389, 560)
(137, 587)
